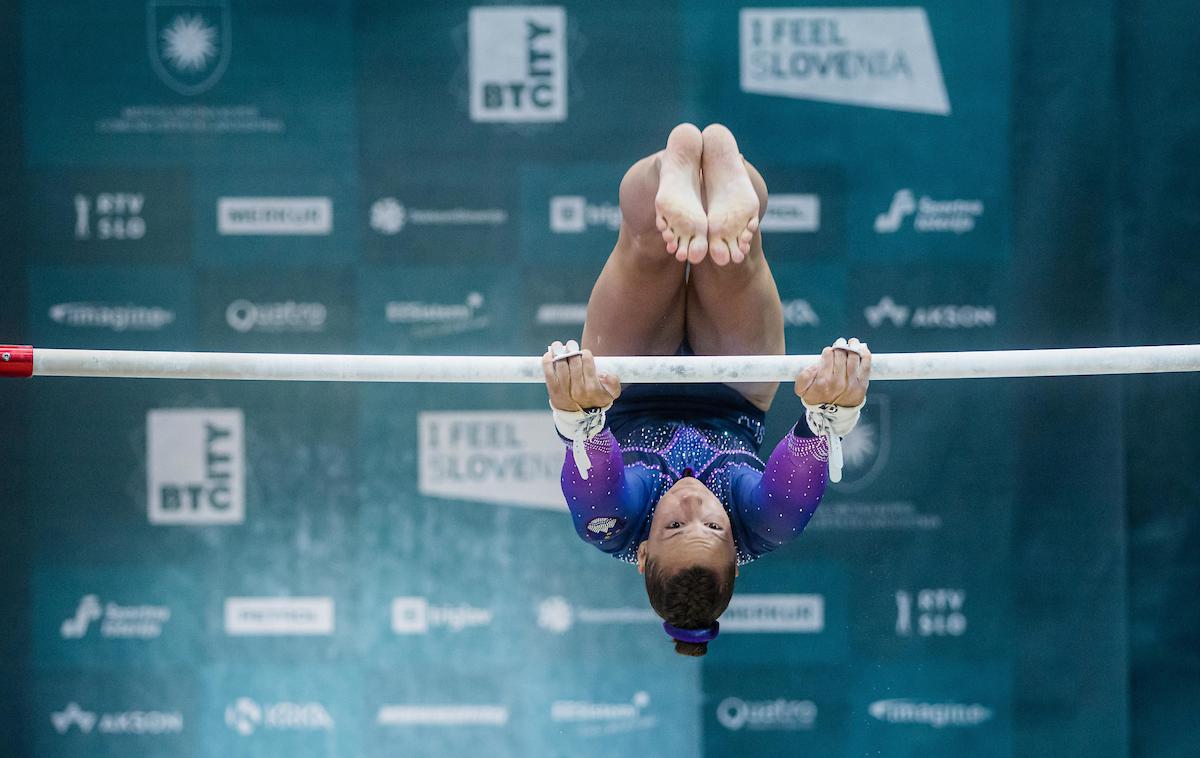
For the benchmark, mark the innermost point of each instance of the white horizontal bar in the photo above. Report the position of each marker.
(525, 369)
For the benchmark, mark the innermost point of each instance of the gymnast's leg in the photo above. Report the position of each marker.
(637, 303)
(734, 309)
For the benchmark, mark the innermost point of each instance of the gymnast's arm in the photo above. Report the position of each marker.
(775, 505)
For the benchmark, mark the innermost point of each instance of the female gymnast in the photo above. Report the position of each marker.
(668, 476)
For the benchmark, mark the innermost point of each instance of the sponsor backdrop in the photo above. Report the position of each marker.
(203, 569)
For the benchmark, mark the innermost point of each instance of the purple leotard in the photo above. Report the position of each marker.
(767, 506)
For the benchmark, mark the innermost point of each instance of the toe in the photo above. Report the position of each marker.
(736, 254)
(753, 225)
(718, 250)
(661, 223)
(698, 249)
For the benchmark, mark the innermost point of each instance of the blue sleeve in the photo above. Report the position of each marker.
(607, 508)
(775, 505)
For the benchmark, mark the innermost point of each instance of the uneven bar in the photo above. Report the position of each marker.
(131, 364)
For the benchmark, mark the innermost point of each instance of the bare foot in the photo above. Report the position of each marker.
(732, 202)
(680, 215)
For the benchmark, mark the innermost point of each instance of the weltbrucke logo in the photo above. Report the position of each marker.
(767, 613)
(571, 214)
(117, 621)
(873, 57)
(416, 615)
(389, 216)
(518, 64)
(274, 216)
(288, 316)
(117, 216)
(279, 616)
(195, 466)
(958, 216)
(122, 722)
(189, 42)
(936, 715)
(780, 714)
(888, 312)
(118, 318)
(792, 213)
(246, 716)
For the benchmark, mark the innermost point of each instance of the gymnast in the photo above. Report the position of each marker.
(667, 476)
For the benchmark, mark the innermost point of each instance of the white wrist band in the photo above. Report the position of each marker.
(832, 422)
(579, 427)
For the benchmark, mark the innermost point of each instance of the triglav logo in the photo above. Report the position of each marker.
(734, 713)
(442, 715)
(189, 42)
(939, 612)
(124, 722)
(561, 314)
(246, 716)
(557, 615)
(792, 213)
(278, 616)
(389, 216)
(798, 312)
(195, 466)
(518, 64)
(116, 621)
(937, 715)
(118, 318)
(786, 614)
(958, 216)
(500, 457)
(873, 57)
(571, 214)
(110, 216)
(246, 316)
(274, 216)
(415, 615)
(887, 311)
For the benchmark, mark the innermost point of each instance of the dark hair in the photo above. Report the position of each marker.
(692, 598)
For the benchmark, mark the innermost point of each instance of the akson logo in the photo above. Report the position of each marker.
(118, 318)
(116, 621)
(936, 715)
(518, 63)
(888, 312)
(873, 57)
(121, 722)
(734, 713)
(195, 466)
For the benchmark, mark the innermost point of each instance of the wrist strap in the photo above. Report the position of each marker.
(832, 422)
(579, 427)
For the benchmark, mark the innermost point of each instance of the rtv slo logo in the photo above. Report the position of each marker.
(110, 216)
(195, 466)
(936, 612)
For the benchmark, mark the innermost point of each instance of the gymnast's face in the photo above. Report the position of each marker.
(689, 528)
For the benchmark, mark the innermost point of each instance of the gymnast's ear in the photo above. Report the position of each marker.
(641, 558)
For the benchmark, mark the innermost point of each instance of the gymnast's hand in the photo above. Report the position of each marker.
(840, 377)
(572, 380)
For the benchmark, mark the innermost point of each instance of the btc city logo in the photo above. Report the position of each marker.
(189, 43)
(518, 64)
(195, 466)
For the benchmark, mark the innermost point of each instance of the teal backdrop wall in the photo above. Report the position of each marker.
(203, 569)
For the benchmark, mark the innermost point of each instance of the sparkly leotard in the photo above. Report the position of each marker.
(767, 505)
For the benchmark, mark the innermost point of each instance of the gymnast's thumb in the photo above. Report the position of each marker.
(611, 383)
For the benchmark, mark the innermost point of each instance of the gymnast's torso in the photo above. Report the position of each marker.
(657, 435)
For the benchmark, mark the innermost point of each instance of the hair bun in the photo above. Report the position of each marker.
(696, 649)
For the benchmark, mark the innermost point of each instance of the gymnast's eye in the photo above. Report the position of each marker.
(713, 525)
(674, 525)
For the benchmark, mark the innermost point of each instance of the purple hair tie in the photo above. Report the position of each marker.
(694, 636)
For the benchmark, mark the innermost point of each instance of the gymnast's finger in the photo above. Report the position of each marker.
(560, 397)
(595, 389)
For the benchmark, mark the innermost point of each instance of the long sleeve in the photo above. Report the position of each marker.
(609, 506)
(774, 506)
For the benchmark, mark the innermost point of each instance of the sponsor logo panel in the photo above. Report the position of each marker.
(195, 466)
(871, 57)
(499, 457)
(74, 718)
(518, 64)
(274, 216)
(111, 307)
(416, 615)
(117, 216)
(457, 715)
(279, 616)
(246, 716)
(924, 214)
(931, 612)
(937, 715)
(780, 714)
(570, 214)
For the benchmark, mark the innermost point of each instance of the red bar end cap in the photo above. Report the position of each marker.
(16, 360)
